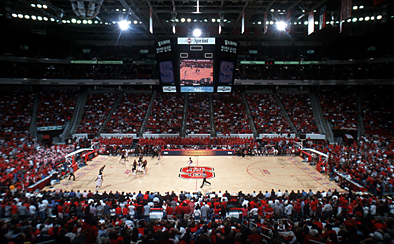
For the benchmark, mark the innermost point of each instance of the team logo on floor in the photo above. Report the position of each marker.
(196, 172)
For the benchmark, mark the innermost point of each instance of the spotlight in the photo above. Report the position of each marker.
(123, 25)
(281, 25)
(197, 32)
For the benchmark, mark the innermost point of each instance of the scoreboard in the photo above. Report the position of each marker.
(189, 64)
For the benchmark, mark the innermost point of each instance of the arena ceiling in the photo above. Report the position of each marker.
(183, 15)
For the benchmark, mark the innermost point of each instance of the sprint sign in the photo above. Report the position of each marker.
(196, 172)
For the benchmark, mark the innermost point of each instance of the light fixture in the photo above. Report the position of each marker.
(281, 25)
(197, 32)
(27, 16)
(366, 18)
(213, 20)
(379, 17)
(73, 21)
(183, 20)
(355, 7)
(135, 22)
(46, 19)
(123, 25)
(189, 20)
(33, 17)
(33, 5)
(354, 19)
(20, 16)
(39, 6)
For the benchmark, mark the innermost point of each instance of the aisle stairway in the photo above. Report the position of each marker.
(147, 114)
(184, 117)
(321, 122)
(77, 115)
(250, 117)
(33, 121)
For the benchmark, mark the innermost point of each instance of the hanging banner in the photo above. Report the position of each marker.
(150, 20)
(243, 22)
(311, 22)
(322, 17)
(265, 21)
(346, 12)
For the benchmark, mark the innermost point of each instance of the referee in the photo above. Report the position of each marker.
(204, 176)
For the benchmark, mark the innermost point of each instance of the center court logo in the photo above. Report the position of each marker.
(196, 172)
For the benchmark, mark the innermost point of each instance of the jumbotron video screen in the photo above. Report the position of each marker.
(196, 72)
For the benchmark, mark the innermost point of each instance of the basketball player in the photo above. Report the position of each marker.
(99, 182)
(101, 170)
(134, 168)
(204, 176)
(123, 157)
(144, 165)
(190, 163)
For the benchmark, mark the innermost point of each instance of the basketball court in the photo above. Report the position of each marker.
(229, 173)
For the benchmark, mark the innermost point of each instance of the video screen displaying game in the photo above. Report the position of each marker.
(195, 72)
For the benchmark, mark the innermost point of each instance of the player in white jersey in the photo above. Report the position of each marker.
(99, 182)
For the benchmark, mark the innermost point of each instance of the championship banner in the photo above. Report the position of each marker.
(265, 21)
(150, 20)
(243, 22)
(180, 152)
(346, 12)
(311, 22)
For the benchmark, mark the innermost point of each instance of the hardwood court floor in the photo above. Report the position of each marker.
(230, 173)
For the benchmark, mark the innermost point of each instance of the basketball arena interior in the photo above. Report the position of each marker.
(196, 121)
